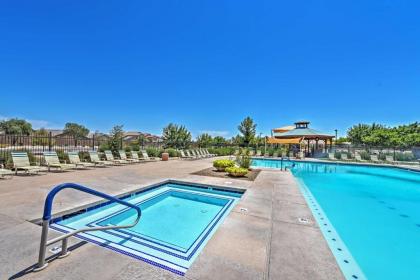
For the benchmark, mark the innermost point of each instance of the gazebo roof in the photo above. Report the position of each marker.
(283, 129)
(302, 130)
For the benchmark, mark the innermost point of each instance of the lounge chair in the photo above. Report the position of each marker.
(358, 157)
(184, 156)
(331, 156)
(291, 154)
(284, 155)
(188, 154)
(258, 153)
(266, 154)
(146, 156)
(276, 154)
(206, 152)
(251, 153)
(52, 161)
(5, 172)
(213, 155)
(203, 153)
(94, 157)
(374, 158)
(344, 157)
(21, 163)
(75, 159)
(195, 154)
(390, 159)
(110, 157)
(123, 156)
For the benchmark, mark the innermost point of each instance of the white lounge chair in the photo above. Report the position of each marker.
(4, 173)
(344, 157)
(123, 156)
(94, 157)
(184, 156)
(374, 158)
(75, 159)
(358, 157)
(21, 163)
(52, 161)
(390, 159)
(146, 156)
(207, 151)
(110, 157)
(331, 156)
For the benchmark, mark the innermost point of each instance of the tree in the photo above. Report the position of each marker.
(247, 128)
(16, 126)
(175, 136)
(219, 141)
(204, 140)
(115, 140)
(238, 140)
(78, 131)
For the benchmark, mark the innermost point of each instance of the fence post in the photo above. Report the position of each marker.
(93, 142)
(49, 141)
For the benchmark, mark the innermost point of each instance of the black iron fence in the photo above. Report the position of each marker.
(35, 145)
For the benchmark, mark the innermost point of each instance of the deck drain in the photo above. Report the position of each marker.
(203, 211)
(303, 221)
(55, 250)
(243, 209)
(228, 182)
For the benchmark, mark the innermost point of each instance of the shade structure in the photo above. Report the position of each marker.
(272, 140)
(283, 129)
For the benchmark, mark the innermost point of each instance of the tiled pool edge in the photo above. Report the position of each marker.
(126, 194)
(345, 260)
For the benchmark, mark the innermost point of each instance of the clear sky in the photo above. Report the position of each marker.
(209, 64)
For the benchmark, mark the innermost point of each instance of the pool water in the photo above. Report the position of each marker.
(370, 216)
(176, 223)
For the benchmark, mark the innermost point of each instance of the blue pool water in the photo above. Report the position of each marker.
(177, 221)
(370, 216)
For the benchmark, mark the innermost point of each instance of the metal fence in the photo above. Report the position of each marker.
(35, 145)
(403, 153)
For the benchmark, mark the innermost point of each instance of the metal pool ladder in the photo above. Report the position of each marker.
(46, 218)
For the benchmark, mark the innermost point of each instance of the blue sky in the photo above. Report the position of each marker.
(209, 64)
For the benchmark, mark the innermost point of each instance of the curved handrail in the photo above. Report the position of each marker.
(47, 217)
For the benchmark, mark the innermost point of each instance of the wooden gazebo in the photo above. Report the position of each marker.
(308, 138)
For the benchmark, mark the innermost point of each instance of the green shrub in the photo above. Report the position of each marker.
(84, 156)
(172, 152)
(222, 151)
(127, 149)
(236, 171)
(222, 164)
(103, 147)
(244, 160)
(62, 156)
(154, 152)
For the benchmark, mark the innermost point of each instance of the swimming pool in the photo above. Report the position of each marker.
(370, 216)
(177, 221)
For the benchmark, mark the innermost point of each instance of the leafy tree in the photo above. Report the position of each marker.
(238, 140)
(403, 136)
(176, 136)
(115, 140)
(16, 126)
(78, 131)
(204, 140)
(247, 128)
(219, 141)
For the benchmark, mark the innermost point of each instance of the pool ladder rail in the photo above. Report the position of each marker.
(46, 218)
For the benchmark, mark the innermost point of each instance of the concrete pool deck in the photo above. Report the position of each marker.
(266, 241)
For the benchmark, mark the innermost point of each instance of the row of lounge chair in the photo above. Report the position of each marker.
(51, 161)
(373, 158)
(195, 154)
